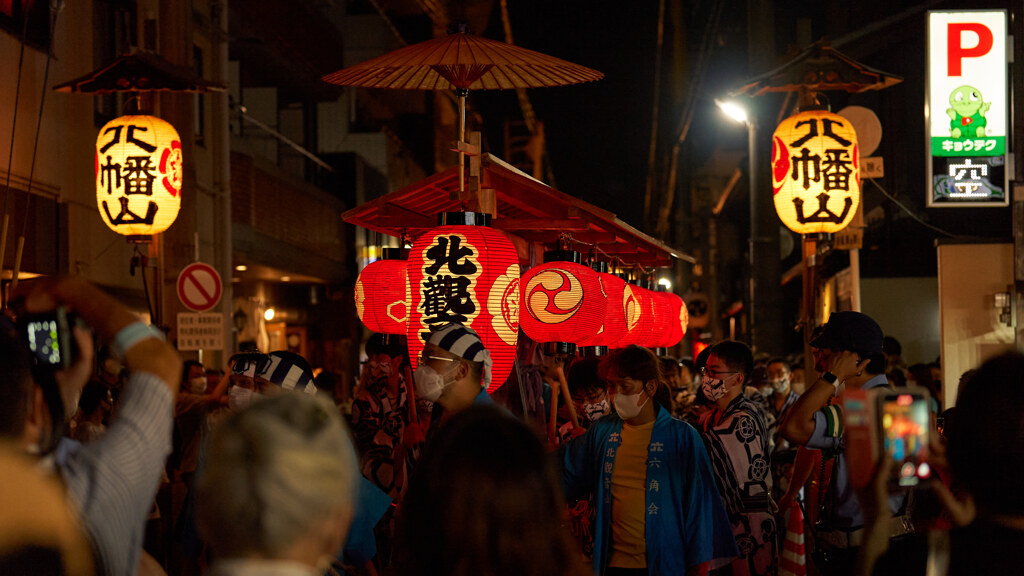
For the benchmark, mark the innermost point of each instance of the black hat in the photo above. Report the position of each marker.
(850, 331)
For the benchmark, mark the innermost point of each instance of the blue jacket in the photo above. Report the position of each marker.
(686, 520)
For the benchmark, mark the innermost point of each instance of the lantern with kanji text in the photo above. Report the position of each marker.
(562, 301)
(466, 273)
(815, 172)
(382, 294)
(138, 175)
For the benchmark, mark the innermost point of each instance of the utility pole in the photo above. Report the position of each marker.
(765, 291)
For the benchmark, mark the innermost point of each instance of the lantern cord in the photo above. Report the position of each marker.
(911, 213)
(55, 9)
(133, 98)
(14, 122)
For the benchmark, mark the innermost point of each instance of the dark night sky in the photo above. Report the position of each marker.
(597, 133)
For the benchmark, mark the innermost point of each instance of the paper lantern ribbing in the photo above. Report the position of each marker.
(382, 296)
(815, 172)
(469, 275)
(638, 306)
(669, 326)
(138, 175)
(614, 327)
(562, 302)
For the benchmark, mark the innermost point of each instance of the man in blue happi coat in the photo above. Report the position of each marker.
(658, 510)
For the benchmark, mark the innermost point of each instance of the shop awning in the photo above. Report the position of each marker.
(526, 208)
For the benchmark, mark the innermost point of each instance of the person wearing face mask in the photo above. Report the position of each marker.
(737, 439)
(381, 416)
(658, 511)
(453, 372)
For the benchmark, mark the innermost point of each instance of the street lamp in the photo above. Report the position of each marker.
(763, 291)
(733, 110)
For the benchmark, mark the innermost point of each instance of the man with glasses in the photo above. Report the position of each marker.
(737, 440)
(453, 372)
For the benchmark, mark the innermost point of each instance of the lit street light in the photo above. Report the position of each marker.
(732, 110)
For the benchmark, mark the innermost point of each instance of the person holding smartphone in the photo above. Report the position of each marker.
(848, 354)
(111, 483)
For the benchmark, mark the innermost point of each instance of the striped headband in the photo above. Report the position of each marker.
(287, 374)
(464, 342)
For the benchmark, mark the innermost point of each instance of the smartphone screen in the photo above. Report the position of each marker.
(44, 341)
(904, 432)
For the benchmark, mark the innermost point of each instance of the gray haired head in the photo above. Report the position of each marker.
(275, 472)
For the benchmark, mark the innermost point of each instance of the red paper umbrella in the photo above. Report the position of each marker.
(562, 302)
(639, 311)
(614, 326)
(469, 275)
(382, 296)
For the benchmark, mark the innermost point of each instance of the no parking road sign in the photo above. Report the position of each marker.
(199, 287)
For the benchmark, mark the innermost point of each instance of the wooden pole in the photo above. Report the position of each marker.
(810, 248)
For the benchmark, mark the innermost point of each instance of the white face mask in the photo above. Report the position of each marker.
(628, 405)
(239, 398)
(781, 385)
(197, 385)
(596, 411)
(429, 383)
(713, 389)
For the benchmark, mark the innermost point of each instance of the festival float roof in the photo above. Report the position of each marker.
(525, 208)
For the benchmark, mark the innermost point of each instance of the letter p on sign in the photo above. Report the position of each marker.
(956, 51)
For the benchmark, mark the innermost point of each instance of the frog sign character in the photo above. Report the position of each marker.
(967, 115)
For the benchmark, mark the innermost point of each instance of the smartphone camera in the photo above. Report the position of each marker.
(904, 422)
(49, 338)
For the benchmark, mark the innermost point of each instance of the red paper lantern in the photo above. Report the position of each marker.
(469, 275)
(638, 306)
(614, 327)
(382, 296)
(670, 320)
(562, 302)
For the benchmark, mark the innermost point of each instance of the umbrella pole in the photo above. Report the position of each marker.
(462, 93)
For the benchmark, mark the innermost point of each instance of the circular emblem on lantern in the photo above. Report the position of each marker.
(553, 296)
(815, 172)
(504, 295)
(138, 175)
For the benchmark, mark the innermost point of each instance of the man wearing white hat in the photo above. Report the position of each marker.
(453, 372)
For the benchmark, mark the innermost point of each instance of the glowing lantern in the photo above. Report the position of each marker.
(638, 307)
(614, 326)
(562, 302)
(815, 172)
(382, 296)
(138, 175)
(469, 275)
(670, 319)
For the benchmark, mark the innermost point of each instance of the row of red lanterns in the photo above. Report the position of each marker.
(465, 272)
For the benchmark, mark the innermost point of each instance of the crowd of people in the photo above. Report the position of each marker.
(125, 460)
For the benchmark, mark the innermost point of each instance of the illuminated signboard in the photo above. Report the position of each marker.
(967, 108)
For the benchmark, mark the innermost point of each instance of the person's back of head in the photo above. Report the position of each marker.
(279, 471)
(484, 500)
(986, 443)
(38, 532)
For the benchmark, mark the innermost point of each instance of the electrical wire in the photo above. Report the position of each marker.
(910, 212)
